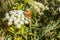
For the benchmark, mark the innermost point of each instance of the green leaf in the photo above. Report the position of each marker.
(11, 29)
(20, 6)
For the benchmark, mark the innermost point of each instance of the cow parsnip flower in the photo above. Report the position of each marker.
(7, 16)
(38, 6)
(16, 17)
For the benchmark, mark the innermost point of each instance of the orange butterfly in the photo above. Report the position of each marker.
(28, 13)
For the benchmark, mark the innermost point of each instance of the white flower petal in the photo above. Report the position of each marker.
(19, 16)
(10, 19)
(9, 23)
(22, 22)
(18, 26)
(26, 22)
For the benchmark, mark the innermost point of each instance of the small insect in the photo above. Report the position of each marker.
(28, 13)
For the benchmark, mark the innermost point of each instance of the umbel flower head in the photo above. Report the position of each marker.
(16, 17)
(38, 6)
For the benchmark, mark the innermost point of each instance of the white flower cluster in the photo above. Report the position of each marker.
(16, 17)
(38, 6)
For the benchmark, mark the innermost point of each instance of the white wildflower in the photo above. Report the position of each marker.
(22, 19)
(47, 7)
(20, 12)
(16, 22)
(14, 18)
(9, 23)
(9, 39)
(18, 26)
(26, 22)
(11, 12)
(22, 22)
(7, 16)
(10, 19)
(17, 18)
(31, 3)
(41, 13)
(36, 3)
(37, 8)
(15, 14)
(15, 11)
(22, 15)
(26, 18)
